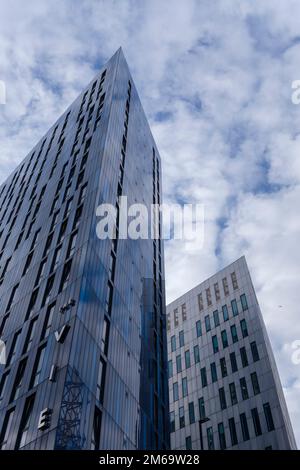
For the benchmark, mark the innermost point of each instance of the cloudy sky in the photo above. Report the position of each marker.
(215, 81)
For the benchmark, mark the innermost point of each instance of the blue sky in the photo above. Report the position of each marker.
(215, 81)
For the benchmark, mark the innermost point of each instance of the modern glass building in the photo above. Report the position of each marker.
(83, 319)
(224, 388)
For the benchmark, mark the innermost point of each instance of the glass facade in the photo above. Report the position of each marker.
(85, 316)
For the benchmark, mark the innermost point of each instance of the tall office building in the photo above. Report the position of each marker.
(224, 388)
(83, 319)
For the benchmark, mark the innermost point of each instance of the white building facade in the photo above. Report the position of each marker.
(224, 387)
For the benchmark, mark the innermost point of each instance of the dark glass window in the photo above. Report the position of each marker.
(178, 364)
(30, 335)
(210, 439)
(6, 431)
(207, 323)
(244, 388)
(233, 394)
(15, 393)
(233, 434)
(188, 443)
(215, 344)
(223, 367)
(196, 354)
(175, 391)
(181, 417)
(48, 321)
(202, 414)
(13, 348)
(254, 351)
(216, 318)
(222, 398)
(244, 302)
(225, 312)
(198, 328)
(244, 426)
(184, 387)
(213, 369)
(234, 307)
(244, 328)
(172, 421)
(187, 357)
(38, 365)
(191, 412)
(244, 357)
(269, 417)
(224, 338)
(181, 339)
(222, 438)
(203, 377)
(255, 384)
(233, 361)
(173, 343)
(234, 334)
(170, 368)
(256, 422)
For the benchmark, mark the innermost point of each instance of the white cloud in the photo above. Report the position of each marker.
(224, 72)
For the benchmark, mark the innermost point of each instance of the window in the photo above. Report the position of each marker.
(222, 398)
(198, 328)
(196, 354)
(173, 343)
(101, 380)
(234, 307)
(188, 443)
(66, 275)
(48, 290)
(3, 385)
(187, 358)
(213, 369)
(176, 322)
(15, 393)
(6, 429)
(244, 357)
(191, 412)
(232, 430)
(25, 422)
(30, 335)
(48, 321)
(208, 296)
(41, 272)
(105, 336)
(225, 312)
(32, 304)
(224, 338)
(233, 394)
(38, 365)
(184, 387)
(244, 426)
(168, 322)
(13, 348)
(269, 417)
(210, 439)
(207, 323)
(181, 339)
(215, 344)
(225, 286)
(223, 367)
(178, 364)
(202, 414)
(216, 318)
(172, 421)
(244, 328)
(56, 258)
(254, 351)
(244, 389)
(255, 384)
(217, 291)
(181, 417)
(203, 377)
(244, 302)
(95, 444)
(234, 281)
(68, 207)
(170, 368)
(183, 312)
(222, 438)
(54, 220)
(234, 334)
(200, 302)
(12, 297)
(175, 391)
(256, 422)
(233, 362)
